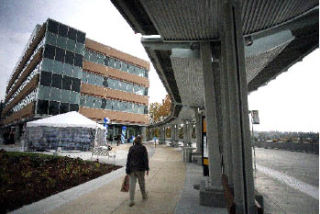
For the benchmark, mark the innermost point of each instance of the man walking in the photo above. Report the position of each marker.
(137, 166)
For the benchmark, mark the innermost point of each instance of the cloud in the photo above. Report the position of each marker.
(12, 45)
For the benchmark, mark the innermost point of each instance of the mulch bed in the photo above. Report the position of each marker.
(29, 177)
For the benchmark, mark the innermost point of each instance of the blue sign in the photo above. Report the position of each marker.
(123, 134)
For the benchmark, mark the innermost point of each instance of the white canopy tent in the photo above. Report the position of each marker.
(69, 119)
(69, 131)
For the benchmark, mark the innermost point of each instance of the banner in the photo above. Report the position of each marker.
(123, 134)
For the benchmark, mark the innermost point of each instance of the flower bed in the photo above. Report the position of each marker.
(29, 177)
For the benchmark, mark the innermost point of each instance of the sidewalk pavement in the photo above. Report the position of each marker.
(169, 186)
(164, 184)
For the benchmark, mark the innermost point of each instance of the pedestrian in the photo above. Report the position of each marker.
(155, 141)
(137, 166)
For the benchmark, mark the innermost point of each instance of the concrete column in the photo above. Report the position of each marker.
(211, 115)
(190, 129)
(198, 130)
(162, 135)
(185, 134)
(173, 134)
(17, 133)
(144, 133)
(233, 53)
(176, 136)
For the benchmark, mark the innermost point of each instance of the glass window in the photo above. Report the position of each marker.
(46, 64)
(89, 101)
(82, 100)
(84, 77)
(55, 94)
(62, 42)
(72, 34)
(105, 82)
(77, 72)
(111, 62)
(54, 107)
(80, 48)
(63, 30)
(45, 78)
(131, 69)
(91, 78)
(69, 57)
(87, 55)
(78, 60)
(56, 80)
(64, 107)
(53, 26)
(116, 105)
(77, 95)
(80, 37)
(129, 87)
(124, 66)
(73, 97)
(71, 44)
(98, 102)
(103, 103)
(100, 59)
(117, 64)
(76, 85)
(65, 94)
(67, 69)
(106, 60)
(58, 67)
(74, 107)
(138, 90)
(44, 93)
(42, 107)
(66, 82)
(109, 104)
(51, 38)
(60, 54)
(49, 52)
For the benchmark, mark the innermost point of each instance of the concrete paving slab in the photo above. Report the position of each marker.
(189, 198)
(164, 184)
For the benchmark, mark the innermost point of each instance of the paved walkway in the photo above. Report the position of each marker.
(163, 184)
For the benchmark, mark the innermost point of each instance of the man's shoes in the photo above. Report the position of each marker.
(145, 197)
(131, 203)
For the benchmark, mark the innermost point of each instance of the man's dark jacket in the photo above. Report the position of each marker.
(137, 159)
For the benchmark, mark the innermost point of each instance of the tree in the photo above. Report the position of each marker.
(159, 112)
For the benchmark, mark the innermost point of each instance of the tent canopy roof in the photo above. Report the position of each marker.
(69, 119)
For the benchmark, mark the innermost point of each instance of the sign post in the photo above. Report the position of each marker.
(205, 160)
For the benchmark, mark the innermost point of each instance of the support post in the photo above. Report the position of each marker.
(198, 116)
(162, 135)
(176, 135)
(210, 53)
(234, 66)
(185, 134)
(144, 133)
(172, 134)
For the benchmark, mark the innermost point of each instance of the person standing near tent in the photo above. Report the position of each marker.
(137, 166)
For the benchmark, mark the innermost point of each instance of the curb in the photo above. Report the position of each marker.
(52, 202)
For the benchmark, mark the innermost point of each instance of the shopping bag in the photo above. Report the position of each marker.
(125, 184)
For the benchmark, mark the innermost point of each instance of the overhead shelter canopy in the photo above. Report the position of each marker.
(69, 119)
(277, 34)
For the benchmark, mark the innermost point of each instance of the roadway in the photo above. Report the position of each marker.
(289, 181)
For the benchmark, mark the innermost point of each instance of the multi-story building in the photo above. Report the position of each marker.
(61, 70)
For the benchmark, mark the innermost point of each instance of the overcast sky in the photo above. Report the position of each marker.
(289, 103)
